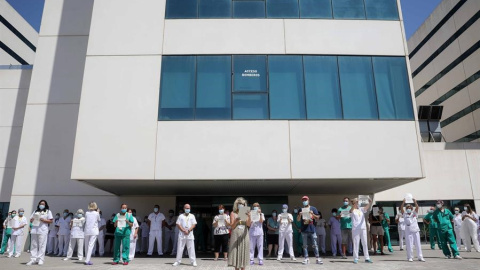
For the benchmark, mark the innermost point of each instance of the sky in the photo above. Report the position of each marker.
(414, 12)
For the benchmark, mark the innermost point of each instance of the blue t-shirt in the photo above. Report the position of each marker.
(309, 227)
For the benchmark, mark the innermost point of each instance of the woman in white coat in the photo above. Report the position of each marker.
(412, 230)
(285, 220)
(77, 235)
(92, 221)
(401, 228)
(469, 228)
(457, 226)
(19, 223)
(40, 220)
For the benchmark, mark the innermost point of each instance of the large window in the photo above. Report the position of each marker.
(284, 87)
(308, 9)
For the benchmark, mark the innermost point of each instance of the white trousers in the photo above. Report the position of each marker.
(158, 236)
(100, 243)
(16, 241)
(413, 239)
(133, 246)
(321, 242)
(169, 236)
(470, 234)
(336, 241)
(52, 244)
(63, 241)
(401, 234)
(360, 235)
(281, 243)
(190, 247)
(71, 247)
(459, 237)
(89, 246)
(38, 247)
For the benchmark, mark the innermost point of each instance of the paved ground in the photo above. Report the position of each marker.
(391, 261)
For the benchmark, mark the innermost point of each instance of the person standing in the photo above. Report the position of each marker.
(18, 226)
(170, 224)
(469, 228)
(457, 227)
(156, 221)
(123, 222)
(285, 220)
(7, 230)
(345, 225)
(239, 247)
(92, 222)
(386, 229)
(272, 234)
(145, 230)
(433, 229)
(110, 233)
(101, 236)
(64, 233)
(321, 233)
(221, 233)
(359, 230)
(52, 243)
(133, 234)
(376, 230)
(40, 220)
(444, 218)
(297, 232)
(335, 233)
(412, 230)
(77, 235)
(186, 223)
(256, 236)
(401, 228)
(308, 229)
(199, 233)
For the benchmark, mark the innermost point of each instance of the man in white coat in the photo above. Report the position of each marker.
(63, 233)
(155, 221)
(186, 223)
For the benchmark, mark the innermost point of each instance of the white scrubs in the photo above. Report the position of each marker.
(63, 235)
(77, 236)
(188, 240)
(359, 233)
(39, 235)
(401, 229)
(457, 222)
(133, 239)
(16, 239)
(100, 239)
(92, 220)
(156, 221)
(469, 230)
(285, 233)
(170, 233)
(413, 235)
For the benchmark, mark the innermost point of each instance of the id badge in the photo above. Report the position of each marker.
(241, 227)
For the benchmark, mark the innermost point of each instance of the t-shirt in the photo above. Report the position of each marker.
(92, 219)
(385, 220)
(358, 219)
(310, 227)
(64, 226)
(186, 222)
(345, 222)
(457, 221)
(401, 222)
(334, 224)
(17, 222)
(433, 224)
(221, 230)
(43, 227)
(78, 225)
(443, 218)
(156, 221)
(411, 222)
(171, 221)
(320, 228)
(273, 224)
(123, 231)
(285, 225)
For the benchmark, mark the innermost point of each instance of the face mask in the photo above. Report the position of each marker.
(13, 215)
(123, 211)
(241, 206)
(465, 208)
(305, 203)
(334, 214)
(155, 209)
(221, 211)
(41, 206)
(295, 211)
(409, 211)
(439, 206)
(187, 211)
(255, 208)
(345, 203)
(457, 211)
(20, 214)
(170, 214)
(284, 210)
(274, 214)
(65, 214)
(430, 211)
(79, 215)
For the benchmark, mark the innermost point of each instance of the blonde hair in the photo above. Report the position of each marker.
(239, 200)
(92, 206)
(80, 211)
(354, 200)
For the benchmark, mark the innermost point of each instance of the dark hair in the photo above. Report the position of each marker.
(221, 207)
(38, 206)
(334, 210)
(156, 205)
(346, 198)
(171, 211)
(469, 208)
(123, 205)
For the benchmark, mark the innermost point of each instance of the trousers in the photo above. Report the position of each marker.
(89, 246)
(256, 241)
(313, 239)
(190, 243)
(413, 239)
(37, 247)
(157, 234)
(124, 242)
(357, 236)
(336, 242)
(71, 247)
(446, 239)
(288, 236)
(321, 242)
(63, 241)
(401, 235)
(16, 245)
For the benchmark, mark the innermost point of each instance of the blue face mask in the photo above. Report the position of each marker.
(345, 203)
(13, 215)
(20, 213)
(123, 211)
(155, 209)
(274, 214)
(221, 211)
(65, 214)
(79, 215)
(409, 211)
(295, 211)
(334, 214)
(255, 208)
(305, 203)
(187, 211)
(41, 206)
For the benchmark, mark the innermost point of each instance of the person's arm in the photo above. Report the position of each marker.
(234, 221)
(402, 209)
(249, 220)
(164, 224)
(215, 222)
(370, 219)
(314, 216)
(366, 207)
(149, 221)
(262, 217)
(299, 215)
(270, 228)
(416, 206)
(397, 219)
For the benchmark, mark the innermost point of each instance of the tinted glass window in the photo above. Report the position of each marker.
(250, 73)
(321, 9)
(287, 98)
(214, 83)
(358, 89)
(177, 94)
(322, 87)
(381, 9)
(215, 9)
(181, 9)
(282, 8)
(348, 9)
(393, 89)
(248, 9)
(250, 106)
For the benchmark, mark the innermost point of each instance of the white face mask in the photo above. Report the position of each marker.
(255, 208)
(155, 209)
(305, 203)
(457, 211)
(465, 208)
(240, 206)
(409, 211)
(284, 210)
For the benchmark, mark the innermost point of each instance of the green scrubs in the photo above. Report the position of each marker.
(434, 232)
(122, 237)
(6, 237)
(297, 236)
(386, 229)
(444, 219)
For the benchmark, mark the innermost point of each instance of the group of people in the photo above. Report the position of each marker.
(239, 235)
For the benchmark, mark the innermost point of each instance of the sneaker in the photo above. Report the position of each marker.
(319, 261)
(260, 262)
(176, 264)
(252, 262)
(355, 261)
(344, 257)
(125, 263)
(80, 259)
(293, 258)
(194, 264)
(410, 260)
(30, 263)
(88, 263)
(279, 258)
(66, 259)
(458, 257)
(421, 259)
(448, 257)
(114, 263)
(368, 261)
(16, 256)
(305, 261)
(40, 263)
(9, 256)
(401, 249)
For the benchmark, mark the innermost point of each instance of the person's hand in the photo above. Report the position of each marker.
(414, 200)
(135, 236)
(404, 200)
